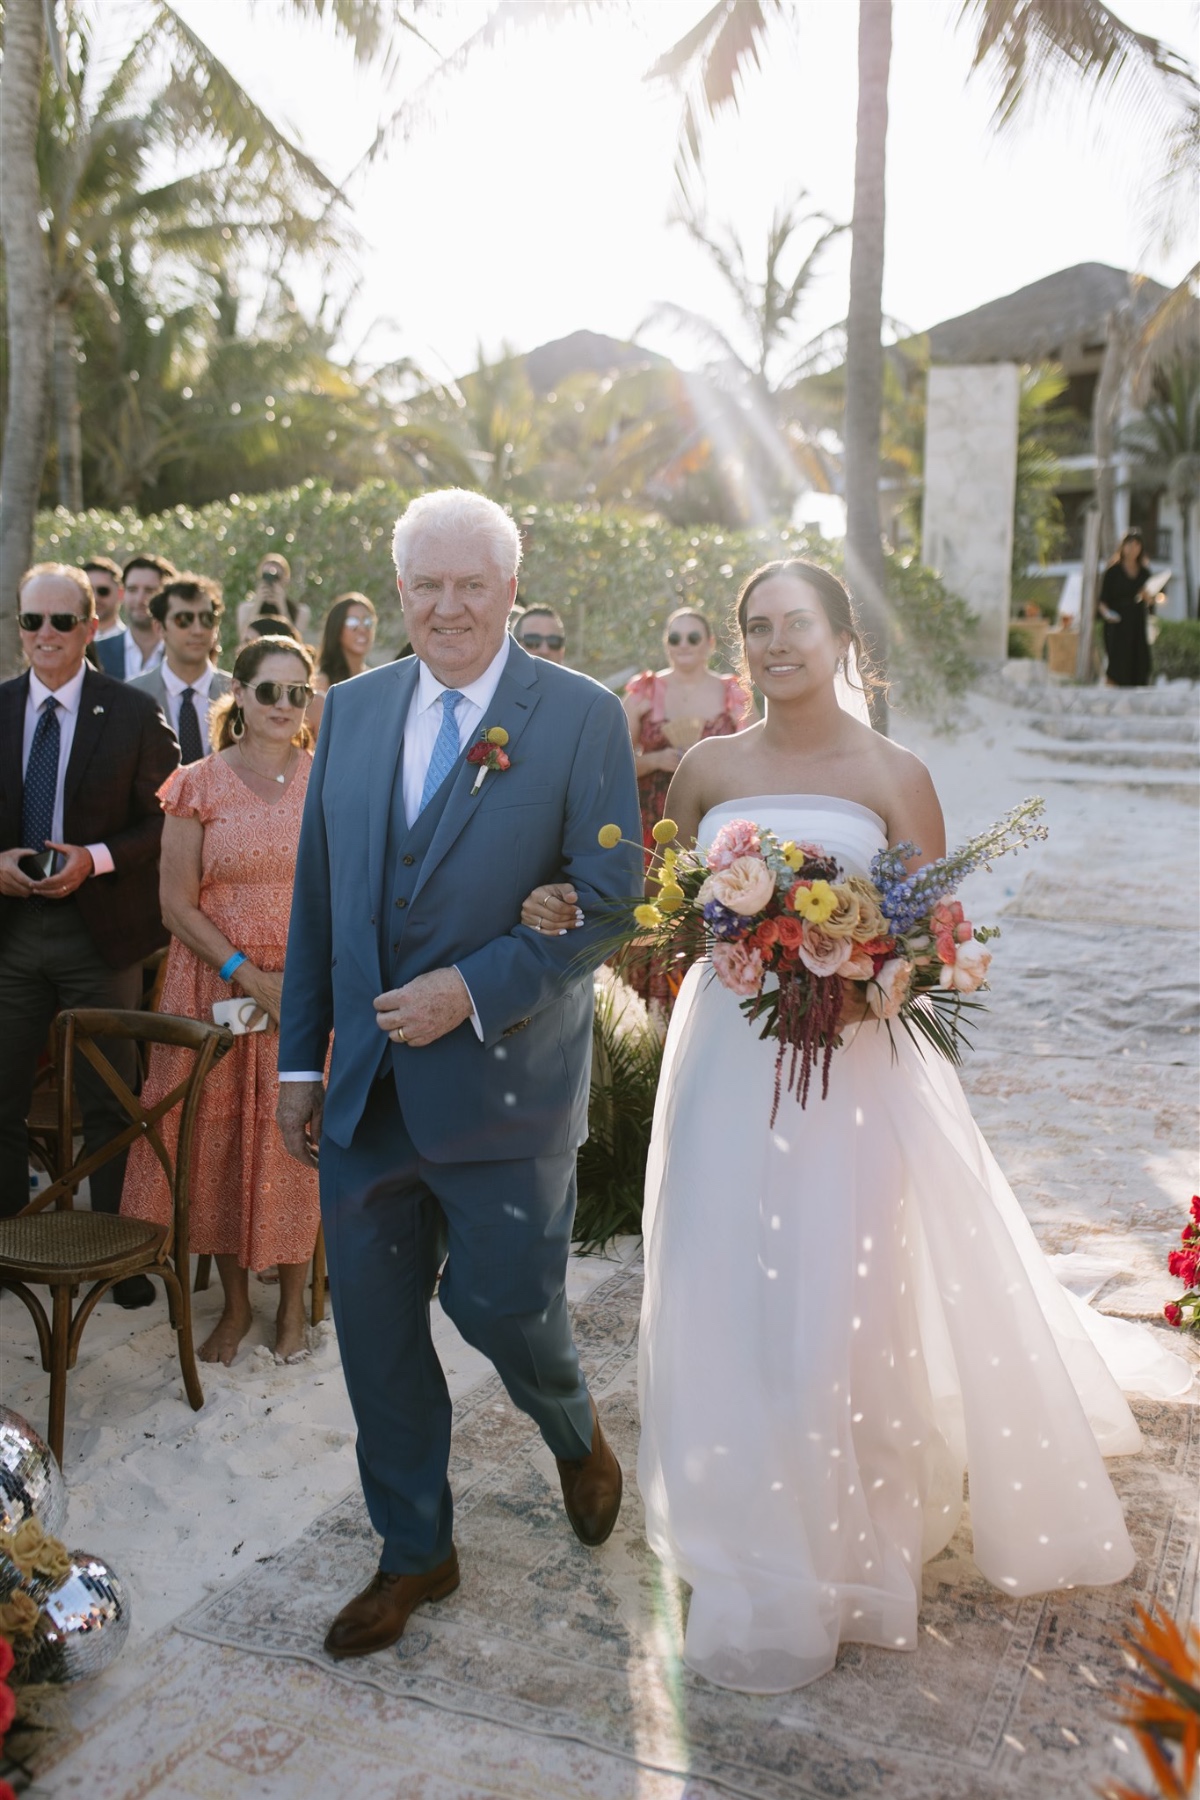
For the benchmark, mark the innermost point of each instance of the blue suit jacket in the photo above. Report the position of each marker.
(523, 1091)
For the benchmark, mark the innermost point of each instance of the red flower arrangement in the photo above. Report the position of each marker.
(489, 753)
(1184, 1264)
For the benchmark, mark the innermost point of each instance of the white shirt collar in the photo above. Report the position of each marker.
(479, 692)
(68, 695)
(111, 631)
(175, 686)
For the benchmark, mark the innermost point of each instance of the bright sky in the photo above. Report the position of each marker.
(534, 200)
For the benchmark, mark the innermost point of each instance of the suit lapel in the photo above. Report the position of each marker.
(12, 740)
(89, 728)
(381, 746)
(512, 706)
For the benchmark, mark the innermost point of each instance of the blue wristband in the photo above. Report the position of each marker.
(235, 962)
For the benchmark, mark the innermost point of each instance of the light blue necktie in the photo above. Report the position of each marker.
(445, 749)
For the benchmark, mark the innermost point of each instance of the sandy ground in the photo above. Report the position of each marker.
(1085, 1083)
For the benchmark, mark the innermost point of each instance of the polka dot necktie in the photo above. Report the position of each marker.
(445, 749)
(191, 745)
(41, 778)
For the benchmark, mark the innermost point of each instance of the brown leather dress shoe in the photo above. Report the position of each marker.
(591, 1488)
(377, 1617)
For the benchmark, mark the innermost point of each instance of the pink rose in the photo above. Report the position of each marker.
(887, 992)
(969, 969)
(857, 967)
(738, 969)
(745, 885)
(738, 838)
(823, 954)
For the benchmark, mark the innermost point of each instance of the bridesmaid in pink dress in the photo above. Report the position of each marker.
(228, 860)
(669, 711)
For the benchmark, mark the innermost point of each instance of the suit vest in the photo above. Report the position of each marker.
(407, 848)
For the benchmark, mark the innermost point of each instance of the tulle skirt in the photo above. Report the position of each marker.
(843, 1314)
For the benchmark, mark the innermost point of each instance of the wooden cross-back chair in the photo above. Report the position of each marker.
(52, 1245)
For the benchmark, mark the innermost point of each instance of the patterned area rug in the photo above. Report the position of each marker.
(1001, 1698)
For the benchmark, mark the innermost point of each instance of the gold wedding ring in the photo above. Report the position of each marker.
(398, 1035)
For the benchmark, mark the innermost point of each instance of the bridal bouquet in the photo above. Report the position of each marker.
(898, 942)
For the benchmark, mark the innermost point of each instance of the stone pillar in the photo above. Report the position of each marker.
(971, 490)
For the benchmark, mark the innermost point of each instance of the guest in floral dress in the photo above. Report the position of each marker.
(669, 710)
(228, 861)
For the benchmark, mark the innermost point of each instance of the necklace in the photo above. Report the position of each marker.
(262, 775)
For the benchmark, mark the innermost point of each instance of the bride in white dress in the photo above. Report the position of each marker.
(846, 1312)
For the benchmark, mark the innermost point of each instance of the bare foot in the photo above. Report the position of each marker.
(222, 1344)
(291, 1337)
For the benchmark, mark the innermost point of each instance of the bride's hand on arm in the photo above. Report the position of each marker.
(552, 909)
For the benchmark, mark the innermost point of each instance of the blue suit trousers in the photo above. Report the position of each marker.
(504, 1228)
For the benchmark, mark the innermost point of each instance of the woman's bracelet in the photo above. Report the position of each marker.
(226, 969)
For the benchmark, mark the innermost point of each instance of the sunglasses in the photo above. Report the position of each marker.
(63, 622)
(678, 637)
(185, 620)
(101, 593)
(533, 640)
(360, 624)
(268, 693)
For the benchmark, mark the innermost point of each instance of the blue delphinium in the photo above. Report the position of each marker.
(723, 922)
(906, 899)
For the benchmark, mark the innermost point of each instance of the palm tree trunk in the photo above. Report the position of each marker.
(27, 275)
(864, 330)
(1185, 526)
(66, 409)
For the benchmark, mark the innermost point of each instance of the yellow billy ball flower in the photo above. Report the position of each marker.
(498, 736)
(816, 903)
(647, 915)
(671, 898)
(609, 836)
(664, 831)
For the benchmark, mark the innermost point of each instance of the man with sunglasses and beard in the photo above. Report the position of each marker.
(82, 758)
(540, 631)
(188, 608)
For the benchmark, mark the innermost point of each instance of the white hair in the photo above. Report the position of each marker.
(459, 510)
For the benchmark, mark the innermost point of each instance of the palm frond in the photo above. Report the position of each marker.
(626, 1062)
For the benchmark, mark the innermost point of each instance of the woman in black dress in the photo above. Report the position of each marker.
(1121, 606)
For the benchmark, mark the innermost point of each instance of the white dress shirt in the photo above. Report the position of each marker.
(175, 686)
(421, 729)
(68, 697)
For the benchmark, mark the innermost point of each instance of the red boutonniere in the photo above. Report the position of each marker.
(489, 753)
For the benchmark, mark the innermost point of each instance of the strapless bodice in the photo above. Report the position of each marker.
(852, 833)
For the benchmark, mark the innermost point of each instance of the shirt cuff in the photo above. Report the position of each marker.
(302, 1075)
(101, 855)
(475, 1019)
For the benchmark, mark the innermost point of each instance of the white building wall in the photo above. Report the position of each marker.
(971, 489)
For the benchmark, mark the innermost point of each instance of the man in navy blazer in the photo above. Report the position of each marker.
(458, 1085)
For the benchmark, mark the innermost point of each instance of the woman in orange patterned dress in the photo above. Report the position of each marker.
(230, 836)
(669, 710)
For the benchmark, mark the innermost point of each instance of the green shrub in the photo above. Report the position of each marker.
(626, 1059)
(1176, 651)
(614, 576)
(1018, 644)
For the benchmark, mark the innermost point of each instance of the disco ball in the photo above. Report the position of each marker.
(30, 1478)
(82, 1626)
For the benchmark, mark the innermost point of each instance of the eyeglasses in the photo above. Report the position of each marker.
(692, 637)
(267, 693)
(63, 622)
(359, 624)
(185, 620)
(533, 640)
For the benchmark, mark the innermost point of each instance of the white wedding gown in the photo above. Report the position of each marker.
(842, 1314)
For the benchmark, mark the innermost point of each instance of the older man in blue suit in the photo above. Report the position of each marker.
(458, 1087)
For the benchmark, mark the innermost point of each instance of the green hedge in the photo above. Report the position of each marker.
(613, 576)
(1176, 650)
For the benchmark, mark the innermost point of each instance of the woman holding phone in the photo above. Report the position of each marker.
(230, 836)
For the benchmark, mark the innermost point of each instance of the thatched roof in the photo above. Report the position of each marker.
(584, 353)
(1062, 318)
